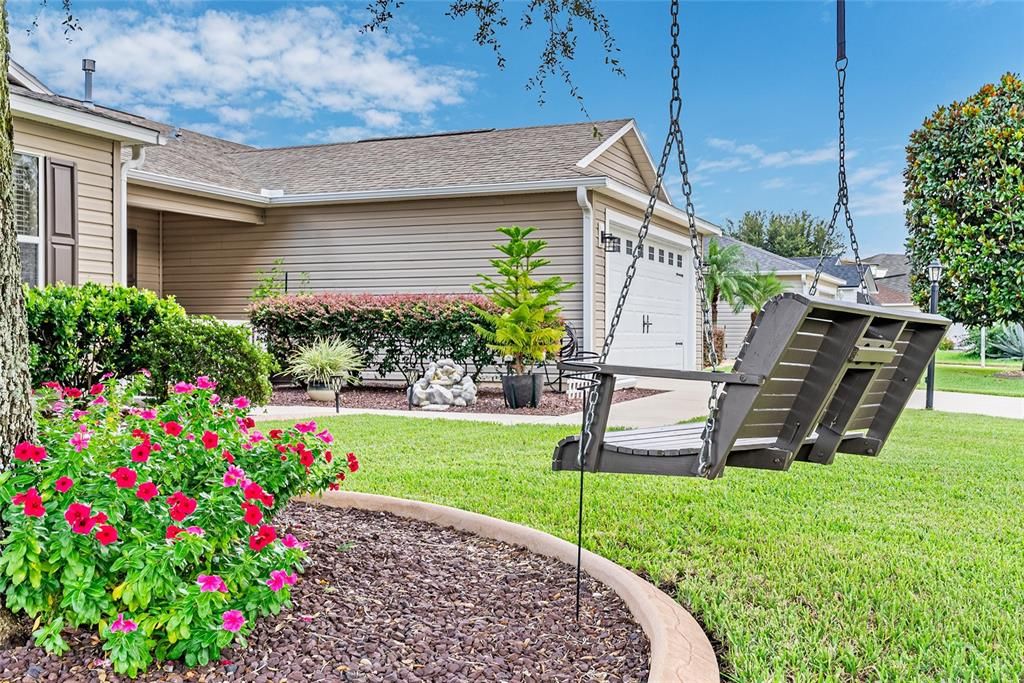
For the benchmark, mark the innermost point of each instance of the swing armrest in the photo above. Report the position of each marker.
(665, 373)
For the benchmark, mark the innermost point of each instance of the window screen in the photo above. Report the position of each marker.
(26, 217)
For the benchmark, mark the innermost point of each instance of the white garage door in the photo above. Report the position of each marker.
(655, 327)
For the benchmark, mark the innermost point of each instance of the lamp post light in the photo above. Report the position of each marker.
(934, 270)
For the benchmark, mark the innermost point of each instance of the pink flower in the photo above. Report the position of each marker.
(81, 439)
(183, 388)
(122, 625)
(147, 414)
(233, 620)
(99, 401)
(204, 382)
(241, 403)
(279, 578)
(256, 436)
(196, 530)
(214, 399)
(233, 476)
(210, 440)
(77, 414)
(57, 406)
(63, 484)
(290, 541)
(145, 373)
(306, 427)
(211, 583)
(325, 436)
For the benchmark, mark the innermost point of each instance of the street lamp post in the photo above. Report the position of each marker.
(934, 274)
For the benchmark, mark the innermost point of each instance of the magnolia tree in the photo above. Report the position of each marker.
(965, 204)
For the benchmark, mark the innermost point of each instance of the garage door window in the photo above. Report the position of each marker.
(26, 217)
(671, 258)
(650, 253)
(629, 247)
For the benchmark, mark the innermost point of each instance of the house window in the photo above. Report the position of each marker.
(27, 226)
(661, 256)
(629, 246)
(671, 258)
(650, 253)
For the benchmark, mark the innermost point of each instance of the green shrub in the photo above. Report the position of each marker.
(393, 332)
(79, 333)
(178, 350)
(946, 344)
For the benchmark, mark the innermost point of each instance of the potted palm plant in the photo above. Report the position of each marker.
(320, 365)
(525, 325)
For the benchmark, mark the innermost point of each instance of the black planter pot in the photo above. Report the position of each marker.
(523, 391)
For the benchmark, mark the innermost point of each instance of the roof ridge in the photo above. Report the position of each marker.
(438, 134)
(763, 250)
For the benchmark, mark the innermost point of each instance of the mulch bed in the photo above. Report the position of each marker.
(390, 599)
(489, 400)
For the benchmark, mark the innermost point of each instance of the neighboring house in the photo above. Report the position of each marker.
(412, 214)
(892, 277)
(848, 273)
(795, 277)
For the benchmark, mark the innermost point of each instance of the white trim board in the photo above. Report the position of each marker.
(64, 117)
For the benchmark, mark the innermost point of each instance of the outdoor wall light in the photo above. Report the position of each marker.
(610, 242)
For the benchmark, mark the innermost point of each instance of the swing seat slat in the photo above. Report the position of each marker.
(814, 377)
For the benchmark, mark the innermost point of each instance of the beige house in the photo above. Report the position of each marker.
(202, 216)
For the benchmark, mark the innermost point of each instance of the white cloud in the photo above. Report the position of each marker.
(880, 195)
(746, 156)
(293, 63)
(776, 184)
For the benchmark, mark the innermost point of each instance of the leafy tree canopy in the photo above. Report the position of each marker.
(786, 234)
(965, 204)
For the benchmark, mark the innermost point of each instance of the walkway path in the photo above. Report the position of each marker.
(680, 401)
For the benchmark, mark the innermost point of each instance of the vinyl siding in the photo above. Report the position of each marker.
(617, 162)
(97, 216)
(147, 223)
(158, 199)
(437, 245)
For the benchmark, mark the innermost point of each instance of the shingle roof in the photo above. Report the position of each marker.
(77, 105)
(430, 161)
(892, 264)
(893, 289)
(847, 272)
(763, 259)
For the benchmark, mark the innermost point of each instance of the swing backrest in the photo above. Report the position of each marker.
(837, 375)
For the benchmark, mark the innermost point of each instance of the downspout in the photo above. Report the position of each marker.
(136, 161)
(588, 267)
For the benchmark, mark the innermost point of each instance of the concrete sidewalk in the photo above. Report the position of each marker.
(680, 401)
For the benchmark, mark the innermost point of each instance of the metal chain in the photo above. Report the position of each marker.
(674, 136)
(842, 194)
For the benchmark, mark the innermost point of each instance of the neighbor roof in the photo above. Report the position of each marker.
(893, 289)
(475, 157)
(892, 264)
(845, 272)
(763, 259)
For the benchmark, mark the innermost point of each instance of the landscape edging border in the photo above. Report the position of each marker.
(680, 650)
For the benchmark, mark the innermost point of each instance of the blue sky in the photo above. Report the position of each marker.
(758, 82)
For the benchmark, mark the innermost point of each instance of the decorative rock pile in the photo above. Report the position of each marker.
(444, 384)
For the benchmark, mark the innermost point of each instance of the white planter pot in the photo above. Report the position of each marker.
(320, 393)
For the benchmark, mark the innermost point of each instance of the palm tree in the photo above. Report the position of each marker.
(758, 288)
(724, 277)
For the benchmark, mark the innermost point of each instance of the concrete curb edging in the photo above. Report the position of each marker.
(680, 650)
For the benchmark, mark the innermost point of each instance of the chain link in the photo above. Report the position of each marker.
(673, 137)
(842, 194)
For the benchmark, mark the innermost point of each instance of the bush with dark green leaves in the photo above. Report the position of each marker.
(79, 333)
(965, 204)
(177, 350)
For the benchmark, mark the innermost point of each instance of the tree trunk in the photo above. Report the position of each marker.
(714, 308)
(15, 399)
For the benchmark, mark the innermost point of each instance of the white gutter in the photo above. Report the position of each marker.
(149, 179)
(627, 194)
(588, 267)
(137, 159)
(85, 122)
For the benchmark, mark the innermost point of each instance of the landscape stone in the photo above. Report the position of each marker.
(444, 383)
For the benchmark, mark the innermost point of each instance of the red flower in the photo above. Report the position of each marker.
(139, 434)
(52, 385)
(284, 458)
(147, 491)
(210, 440)
(26, 451)
(249, 422)
(72, 392)
(281, 448)
(306, 458)
(252, 516)
(125, 477)
(333, 486)
(181, 506)
(328, 456)
(227, 456)
(275, 434)
(267, 500)
(264, 537)
(32, 502)
(106, 535)
(77, 512)
(172, 428)
(96, 389)
(172, 531)
(353, 464)
(253, 491)
(63, 484)
(99, 518)
(141, 452)
(340, 476)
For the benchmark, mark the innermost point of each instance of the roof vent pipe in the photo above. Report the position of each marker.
(89, 67)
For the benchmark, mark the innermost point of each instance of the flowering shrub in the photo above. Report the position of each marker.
(154, 525)
(393, 332)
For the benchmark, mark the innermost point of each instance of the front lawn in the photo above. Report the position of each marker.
(964, 358)
(977, 380)
(906, 567)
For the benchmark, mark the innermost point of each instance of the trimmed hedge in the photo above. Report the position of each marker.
(78, 333)
(394, 332)
(177, 350)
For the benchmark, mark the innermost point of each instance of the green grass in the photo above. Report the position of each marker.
(976, 380)
(905, 567)
(963, 358)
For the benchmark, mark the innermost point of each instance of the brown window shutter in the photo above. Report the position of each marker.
(61, 195)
